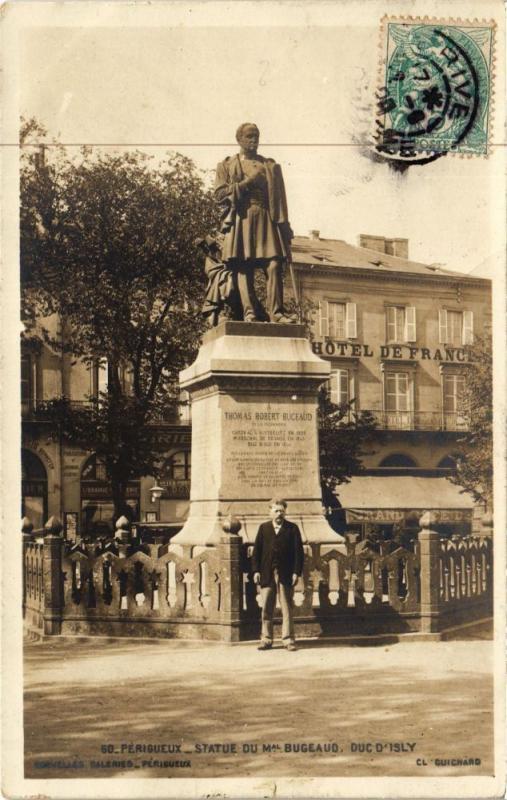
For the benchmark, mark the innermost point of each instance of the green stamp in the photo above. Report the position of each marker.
(436, 93)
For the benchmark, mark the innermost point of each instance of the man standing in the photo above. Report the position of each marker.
(251, 194)
(277, 562)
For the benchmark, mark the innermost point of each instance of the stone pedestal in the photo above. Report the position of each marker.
(253, 389)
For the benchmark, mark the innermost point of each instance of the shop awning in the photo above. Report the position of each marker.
(389, 499)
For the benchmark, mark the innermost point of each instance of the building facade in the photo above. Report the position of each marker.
(395, 333)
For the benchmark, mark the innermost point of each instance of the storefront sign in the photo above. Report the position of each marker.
(100, 491)
(391, 515)
(327, 347)
(176, 489)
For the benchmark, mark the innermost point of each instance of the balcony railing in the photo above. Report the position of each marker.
(172, 415)
(419, 421)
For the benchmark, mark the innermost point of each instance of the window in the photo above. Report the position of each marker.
(339, 386)
(178, 466)
(34, 489)
(400, 324)
(337, 320)
(94, 469)
(453, 387)
(26, 380)
(99, 377)
(397, 391)
(398, 388)
(455, 327)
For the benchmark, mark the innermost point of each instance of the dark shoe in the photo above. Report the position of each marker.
(264, 646)
(291, 647)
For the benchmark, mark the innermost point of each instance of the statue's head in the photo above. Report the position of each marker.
(247, 137)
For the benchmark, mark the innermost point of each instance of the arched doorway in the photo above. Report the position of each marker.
(34, 489)
(449, 463)
(97, 507)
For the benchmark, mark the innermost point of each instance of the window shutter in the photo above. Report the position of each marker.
(344, 385)
(410, 331)
(351, 321)
(334, 386)
(128, 379)
(51, 383)
(323, 318)
(442, 326)
(468, 327)
(102, 375)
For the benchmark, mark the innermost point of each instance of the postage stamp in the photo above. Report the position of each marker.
(436, 87)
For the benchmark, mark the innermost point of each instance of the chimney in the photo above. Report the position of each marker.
(314, 234)
(377, 243)
(390, 247)
(397, 247)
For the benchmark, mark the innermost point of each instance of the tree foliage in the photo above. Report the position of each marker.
(344, 437)
(474, 464)
(108, 244)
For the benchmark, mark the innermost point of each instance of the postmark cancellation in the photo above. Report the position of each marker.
(435, 87)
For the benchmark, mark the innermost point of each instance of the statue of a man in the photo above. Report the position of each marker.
(255, 224)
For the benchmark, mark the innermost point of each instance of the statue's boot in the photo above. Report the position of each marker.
(284, 318)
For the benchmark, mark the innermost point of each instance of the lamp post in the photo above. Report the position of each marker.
(156, 493)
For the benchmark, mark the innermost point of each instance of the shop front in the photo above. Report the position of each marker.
(97, 508)
(389, 508)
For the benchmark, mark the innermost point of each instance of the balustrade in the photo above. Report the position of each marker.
(123, 587)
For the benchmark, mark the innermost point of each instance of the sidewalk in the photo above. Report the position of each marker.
(390, 710)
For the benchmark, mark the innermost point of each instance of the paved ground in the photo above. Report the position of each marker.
(404, 702)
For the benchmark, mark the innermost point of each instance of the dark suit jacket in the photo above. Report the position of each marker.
(291, 552)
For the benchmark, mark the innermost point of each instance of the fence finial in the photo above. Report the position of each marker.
(231, 525)
(53, 527)
(122, 529)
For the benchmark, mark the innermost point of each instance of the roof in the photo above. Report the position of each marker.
(402, 492)
(338, 253)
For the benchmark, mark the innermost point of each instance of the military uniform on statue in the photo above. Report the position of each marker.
(277, 563)
(250, 191)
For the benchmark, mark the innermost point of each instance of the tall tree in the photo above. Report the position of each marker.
(344, 438)
(474, 464)
(108, 244)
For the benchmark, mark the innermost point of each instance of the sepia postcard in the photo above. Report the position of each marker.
(253, 396)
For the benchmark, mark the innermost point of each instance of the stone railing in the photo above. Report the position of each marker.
(33, 576)
(121, 588)
(125, 588)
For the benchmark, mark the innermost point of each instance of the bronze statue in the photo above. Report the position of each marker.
(221, 300)
(250, 191)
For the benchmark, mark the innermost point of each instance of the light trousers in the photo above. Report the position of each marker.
(268, 597)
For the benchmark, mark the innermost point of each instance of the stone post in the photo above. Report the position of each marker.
(429, 549)
(229, 554)
(122, 535)
(52, 572)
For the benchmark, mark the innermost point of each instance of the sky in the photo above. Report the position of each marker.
(310, 88)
